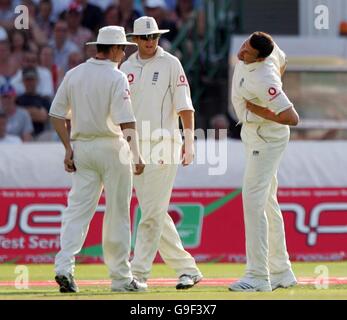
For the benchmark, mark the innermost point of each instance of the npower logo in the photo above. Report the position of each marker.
(31, 220)
(313, 229)
(38, 219)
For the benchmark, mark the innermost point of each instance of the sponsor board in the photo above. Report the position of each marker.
(209, 222)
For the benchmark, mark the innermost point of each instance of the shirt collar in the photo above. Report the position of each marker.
(103, 62)
(134, 57)
(252, 66)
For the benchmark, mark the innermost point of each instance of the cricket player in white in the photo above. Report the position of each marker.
(265, 113)
(160, 95)
(96, 96)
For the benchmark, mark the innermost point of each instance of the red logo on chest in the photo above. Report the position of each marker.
(131, 78)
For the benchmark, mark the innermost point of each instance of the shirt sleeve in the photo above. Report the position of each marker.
(121, 108)
(61, 107)
(282, 58)
(270, 93)
(181, 90)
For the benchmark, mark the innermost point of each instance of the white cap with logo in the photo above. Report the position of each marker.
(146, 25)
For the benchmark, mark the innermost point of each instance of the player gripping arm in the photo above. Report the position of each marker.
(288, 117)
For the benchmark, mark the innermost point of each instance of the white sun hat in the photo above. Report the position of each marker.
(146, 25)
(113, 35)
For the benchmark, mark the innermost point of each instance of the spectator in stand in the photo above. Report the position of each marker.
(4, 136)
(8, 63)
(58, 7)
(157, 10)
(77, 33)
(36, 105)
(185, 10)
(45, 85)
(92, 16)
(128, 14)
(44, 18)
(6, 14)
(220, 122)
(103, 4)
(19, 121)
(35, 33)
(47, 61)
(61, 45)
(75, 58)
(172, 4)
(19, 43)
(112, 16)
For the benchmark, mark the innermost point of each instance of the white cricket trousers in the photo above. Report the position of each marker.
(265, 238)
(98, 165)
(156, 229)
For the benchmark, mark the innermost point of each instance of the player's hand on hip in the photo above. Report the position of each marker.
(68, 161)
(188, 154)
(139, 166)
(252, 106)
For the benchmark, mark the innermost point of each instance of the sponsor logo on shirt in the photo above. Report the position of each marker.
(273, 93)
(256, 153)
(182, 81)
(131, 78)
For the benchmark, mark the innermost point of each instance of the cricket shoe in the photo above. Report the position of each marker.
(284, 279)
(66, 283)
(133, 286)
(141, 280)
(186, 281)
(248, 284)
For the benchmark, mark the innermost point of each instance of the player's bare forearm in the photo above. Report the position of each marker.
(188, 152)
(60, 127)
(187, 118)
(131, 135)
(287, 117)
(68, 126)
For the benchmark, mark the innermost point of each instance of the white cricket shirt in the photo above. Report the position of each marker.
(159, 91)
(260, 83)
(96, 96)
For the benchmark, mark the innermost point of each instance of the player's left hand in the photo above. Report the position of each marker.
(68, 161)
(139, 166)
(188, 154)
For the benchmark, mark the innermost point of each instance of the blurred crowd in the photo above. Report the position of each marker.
(33, 61)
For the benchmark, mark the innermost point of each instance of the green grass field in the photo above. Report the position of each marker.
(199, 292)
